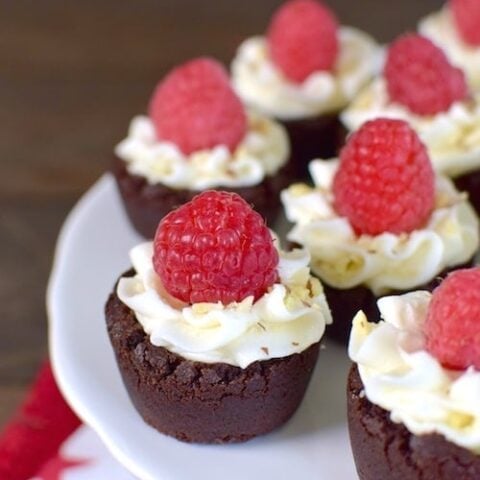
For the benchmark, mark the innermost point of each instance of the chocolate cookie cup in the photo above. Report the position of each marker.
(216, 329)
(202, 402)
(413, 390)
(353, 221)
(146, 204)
(386, 450)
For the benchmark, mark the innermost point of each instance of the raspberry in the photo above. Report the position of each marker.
(452, 327)
(215, 248)
(196, 108)
(419, 76)
(302, 38)
(385, 181)
(466, 14)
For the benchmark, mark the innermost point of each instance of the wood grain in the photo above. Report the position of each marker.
(72, 74)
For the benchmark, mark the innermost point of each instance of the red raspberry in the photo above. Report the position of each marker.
(419, 76)
(196, 108)
(452, 327)
(302, 38)
(466, 14)
(215, 248)
(385, 182)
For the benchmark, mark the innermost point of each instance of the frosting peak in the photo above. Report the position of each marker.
(263, 151)
(289, 318)
(262, 86)
(383, 262)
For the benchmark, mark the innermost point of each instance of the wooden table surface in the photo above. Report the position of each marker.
(72, 74)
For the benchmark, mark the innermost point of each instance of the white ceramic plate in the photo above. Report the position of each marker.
(92, 252)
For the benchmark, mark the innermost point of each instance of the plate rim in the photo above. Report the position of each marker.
(58, 262)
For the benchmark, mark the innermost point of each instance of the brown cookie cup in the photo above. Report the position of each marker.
(146, 204)
(311, 138)
(200, 402)
(470, 183)
(345, 304)
(386, 450)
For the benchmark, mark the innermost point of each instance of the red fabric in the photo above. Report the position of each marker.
(56, 466)
(36, 431)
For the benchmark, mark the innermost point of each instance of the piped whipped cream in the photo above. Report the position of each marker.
(452, 137)
(400, 376)
(287, 319)
(383, 262)
(441, 29)
(263, 151)
(264, 87)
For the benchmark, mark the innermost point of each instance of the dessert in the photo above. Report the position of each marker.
(199, 136)
(455, 29)
(216, 330)
(378, 220)
(420, 86)
(302, 72)
(414, 391)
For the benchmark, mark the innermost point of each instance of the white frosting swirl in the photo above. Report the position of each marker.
(287, 319)
(452, 137)
(441, 29)
(400, 376)
(262, 86)
(383, 262)
(263, 151)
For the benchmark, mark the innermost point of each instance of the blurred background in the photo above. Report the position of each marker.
(72, 74)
